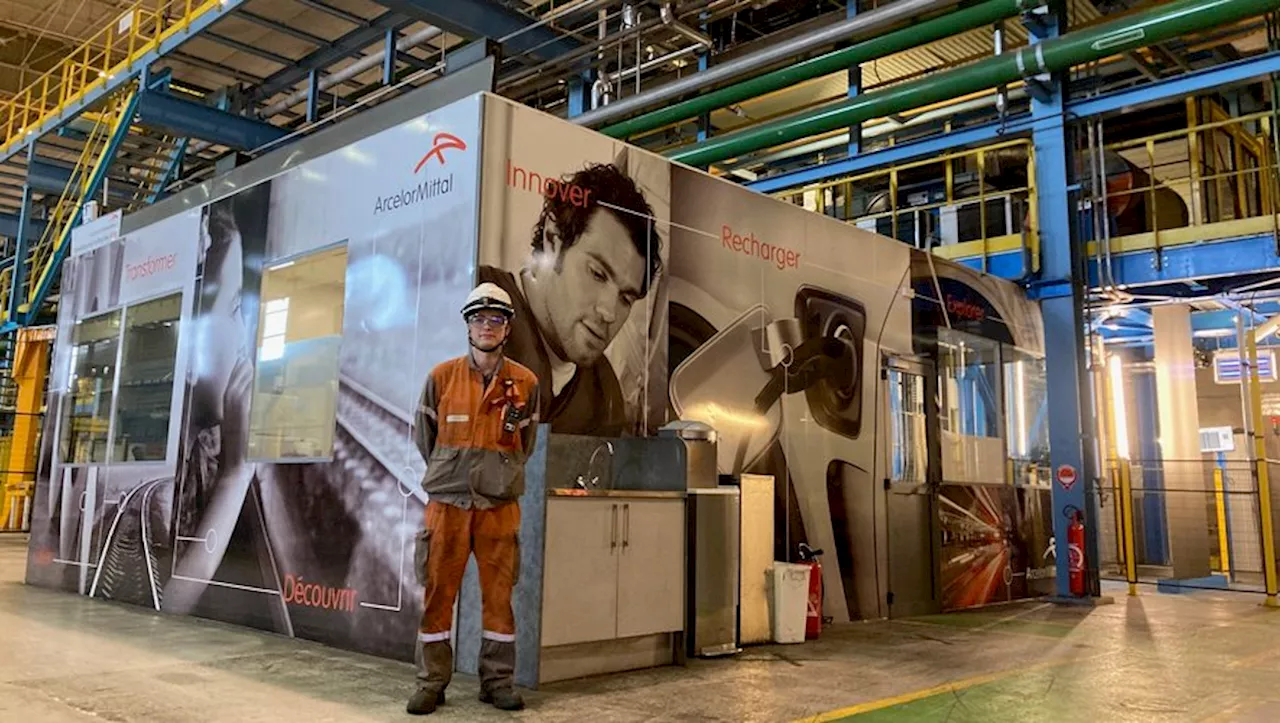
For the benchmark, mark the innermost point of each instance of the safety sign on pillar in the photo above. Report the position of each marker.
(1066, 476)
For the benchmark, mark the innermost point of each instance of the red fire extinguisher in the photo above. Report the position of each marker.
(813, 619)
(1075, 550)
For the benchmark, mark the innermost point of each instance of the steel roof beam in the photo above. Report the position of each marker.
(413, 61)
(187, 119)
(249, 49)
(487, 19)
(270, 24)
(52, 178)
(368, 34)
(213, 67)
(331, 10)
(9, 226)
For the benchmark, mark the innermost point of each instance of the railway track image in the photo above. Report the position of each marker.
(128, 568)
(378, 469)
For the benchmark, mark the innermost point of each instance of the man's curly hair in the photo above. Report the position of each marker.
(610, 190)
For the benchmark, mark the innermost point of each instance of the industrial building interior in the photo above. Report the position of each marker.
(1116, 160)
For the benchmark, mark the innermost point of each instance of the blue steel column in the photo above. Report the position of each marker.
(855, 87)
(20, 244)
(389, 58)
(578, 86)
(1060, 309)
(704, 120)
(313, 95)
(704, 62)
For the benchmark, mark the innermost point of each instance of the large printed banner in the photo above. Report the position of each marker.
(576, 226)
(318, 549)
(646, 292)
(997, 544)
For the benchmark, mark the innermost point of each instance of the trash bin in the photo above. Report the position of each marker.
(700, 452)
(790, 601)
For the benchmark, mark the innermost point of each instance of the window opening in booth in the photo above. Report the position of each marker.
(971, 407)
(910, 452)
(148, 360)
(275, 320)
(295, 389)
(86, 427)
(1026, 416)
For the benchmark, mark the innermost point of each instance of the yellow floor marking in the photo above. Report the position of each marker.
(983, 630)
(1251, 660)
(954, 685)
(1226, 714)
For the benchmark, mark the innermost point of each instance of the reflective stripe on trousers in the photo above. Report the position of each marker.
(452, 535)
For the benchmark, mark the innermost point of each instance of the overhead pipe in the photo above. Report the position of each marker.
(860, 26)
(596, 49)
(878, 47)
(653, 63)
(555, 14)
(1138, 30)
(875, 130)
(341, 76)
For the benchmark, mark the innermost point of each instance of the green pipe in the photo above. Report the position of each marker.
(1156, 25)
(909, 37)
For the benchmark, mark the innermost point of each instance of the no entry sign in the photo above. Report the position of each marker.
(1066, 476)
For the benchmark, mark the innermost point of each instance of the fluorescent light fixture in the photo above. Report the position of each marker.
(1228, 366)
(1020, 402)
(1116, 369)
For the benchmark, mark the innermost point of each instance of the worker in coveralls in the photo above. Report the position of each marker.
(475, 426)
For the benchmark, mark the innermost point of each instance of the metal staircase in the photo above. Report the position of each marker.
(103, 65)
(101, 154)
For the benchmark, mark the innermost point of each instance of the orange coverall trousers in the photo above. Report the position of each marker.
(452, 534)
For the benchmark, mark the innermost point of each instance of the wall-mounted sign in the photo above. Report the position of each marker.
(1066, 476)
(153, 264)
(96, 233)
(1217, 439)
(1226, 366)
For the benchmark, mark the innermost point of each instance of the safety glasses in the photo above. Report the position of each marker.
(493, 321)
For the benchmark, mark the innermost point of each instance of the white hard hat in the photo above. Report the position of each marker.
(488, 297)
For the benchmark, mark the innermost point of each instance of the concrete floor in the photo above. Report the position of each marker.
(1212, 656)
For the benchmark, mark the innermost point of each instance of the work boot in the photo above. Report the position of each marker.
(424, 702)
(435, 668)
(502, 698)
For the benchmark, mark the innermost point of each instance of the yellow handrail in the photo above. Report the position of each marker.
(1221, 169)
(112, 51)
(92, 158)
(886, 180)
(40, 253)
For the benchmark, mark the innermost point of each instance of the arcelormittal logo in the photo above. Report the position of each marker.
(438, 146)
(430, 187)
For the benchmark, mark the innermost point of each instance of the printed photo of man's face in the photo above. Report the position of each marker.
(591, 286)
(592, 263)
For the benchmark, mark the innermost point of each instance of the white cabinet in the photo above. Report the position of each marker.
(651, 568)
(614, 568)
(580, 581)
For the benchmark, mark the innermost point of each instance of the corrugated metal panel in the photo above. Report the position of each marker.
(949, 52)
(1081, 11)
(962, 48)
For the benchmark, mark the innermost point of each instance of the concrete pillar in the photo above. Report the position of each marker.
(1184, 473)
